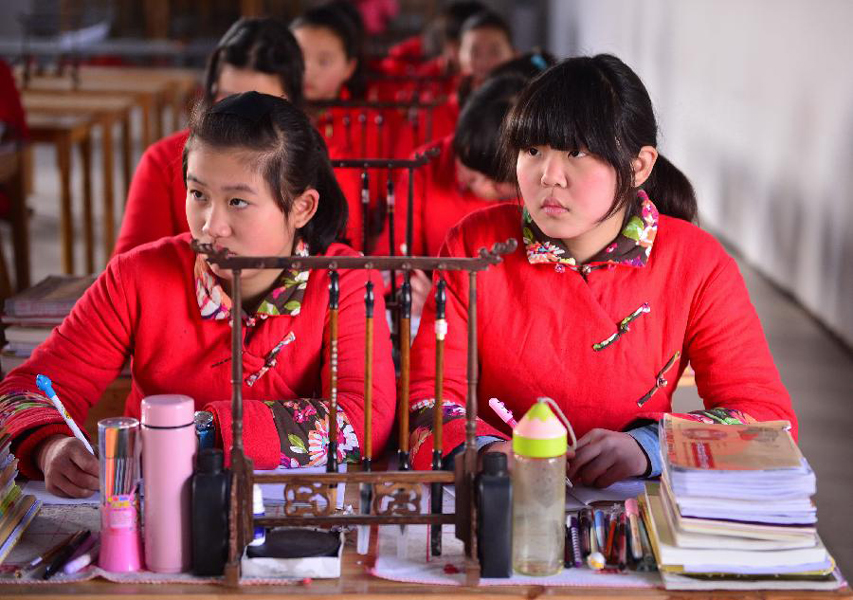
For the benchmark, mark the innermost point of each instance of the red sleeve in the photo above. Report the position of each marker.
(455, 390)
(726, 347)
(150, 212)
(351, 355)
(81, 356)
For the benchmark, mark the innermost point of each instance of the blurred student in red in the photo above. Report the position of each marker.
(254, 55)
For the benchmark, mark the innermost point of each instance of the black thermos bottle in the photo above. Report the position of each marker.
(211, 486)
(494, 517)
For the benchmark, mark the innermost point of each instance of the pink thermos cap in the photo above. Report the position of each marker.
(167, 410)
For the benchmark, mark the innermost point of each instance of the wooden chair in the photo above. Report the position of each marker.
(108, 110)
(64, 132)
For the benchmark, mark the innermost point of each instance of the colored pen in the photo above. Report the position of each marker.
(503, 412)
(633, 513)
(622, 555)
(595, 560)
(574, 534)
(649, 563)
(568, 557)
(585, 527)
(62, 557)
(611, 536)
(46, 386)
(84, 556)
(47, 556)
(599, 529)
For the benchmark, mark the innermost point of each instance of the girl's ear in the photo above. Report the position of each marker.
(351, 65)
(643, 164)
(304, 207)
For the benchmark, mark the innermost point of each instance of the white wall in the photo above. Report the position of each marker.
(755, 104)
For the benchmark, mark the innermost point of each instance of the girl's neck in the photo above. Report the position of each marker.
(588, 244)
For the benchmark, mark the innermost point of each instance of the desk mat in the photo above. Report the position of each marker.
(57, 521)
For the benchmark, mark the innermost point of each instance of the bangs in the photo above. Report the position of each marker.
(568, 109)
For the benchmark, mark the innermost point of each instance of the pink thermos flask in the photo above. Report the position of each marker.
(168, 456)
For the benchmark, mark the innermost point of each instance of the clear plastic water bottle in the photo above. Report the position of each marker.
(539, 446)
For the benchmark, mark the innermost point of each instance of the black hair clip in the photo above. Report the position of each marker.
(252, 106)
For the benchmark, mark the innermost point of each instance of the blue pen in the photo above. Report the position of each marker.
(599, 528)
(45, 385)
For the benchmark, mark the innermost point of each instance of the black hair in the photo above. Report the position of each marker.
(528, 65)
(336, 19)
(454, 15)
(486, 19)
(476, 140)
(264, 45)
(597, 104)
(286, 149)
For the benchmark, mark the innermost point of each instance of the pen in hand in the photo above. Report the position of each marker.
(46, 386)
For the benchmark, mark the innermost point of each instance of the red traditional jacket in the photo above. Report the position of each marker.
(607, 340)
(153, 305)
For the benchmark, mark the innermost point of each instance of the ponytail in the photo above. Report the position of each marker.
(671, 191)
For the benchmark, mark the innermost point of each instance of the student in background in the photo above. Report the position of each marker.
(259, 182)
(253, 55)
(611, 292)
(464, 177)
(440, 40)
(485, 43)
(331, 46)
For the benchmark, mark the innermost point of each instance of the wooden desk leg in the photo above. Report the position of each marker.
(20, 228)
(146, 124)
(88, 234)
(159, 105)
(126, 153)
(177, 103)
(63, 159)
(109, 218)
(28, 165)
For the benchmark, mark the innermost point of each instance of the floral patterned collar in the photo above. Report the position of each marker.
(631, 247)
(285, 298)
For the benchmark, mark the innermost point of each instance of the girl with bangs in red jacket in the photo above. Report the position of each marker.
(259, 183)
(611, 292)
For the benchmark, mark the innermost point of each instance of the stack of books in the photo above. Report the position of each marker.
(16, 509)
(734, 510)
(30, 316)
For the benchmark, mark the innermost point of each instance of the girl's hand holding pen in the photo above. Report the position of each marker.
(603, 457)
(70, 470)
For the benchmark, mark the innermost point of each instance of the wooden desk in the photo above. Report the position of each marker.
(183, 83)
(64, 132)
(355, 581)
(109, 111)
(149, 98)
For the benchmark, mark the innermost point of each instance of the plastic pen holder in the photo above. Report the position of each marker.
(121, 537)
